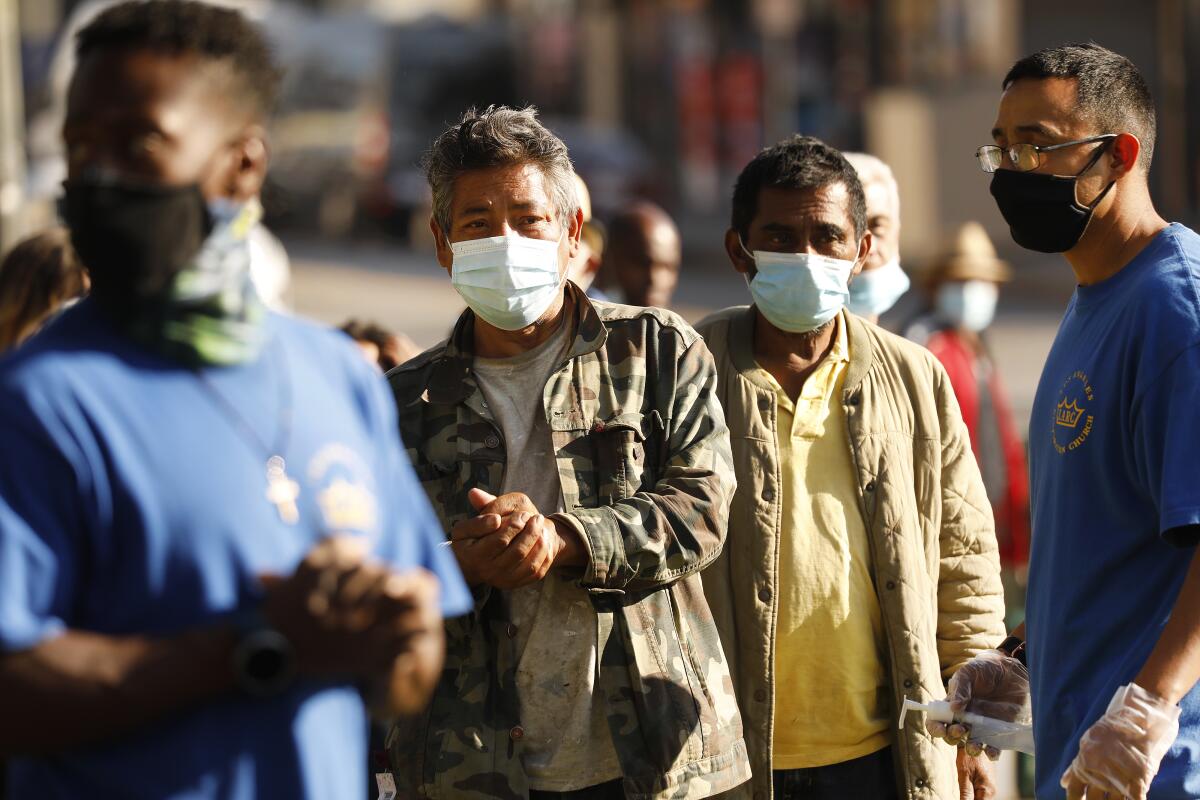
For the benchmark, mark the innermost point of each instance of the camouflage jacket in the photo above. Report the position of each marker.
(644, 461)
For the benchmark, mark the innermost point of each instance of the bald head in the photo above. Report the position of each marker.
(643, 254)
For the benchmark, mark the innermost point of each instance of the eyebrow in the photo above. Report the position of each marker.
(1032, 127)
(522, 205)
(831, 229)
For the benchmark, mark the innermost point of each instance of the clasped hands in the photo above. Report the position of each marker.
(509, 543)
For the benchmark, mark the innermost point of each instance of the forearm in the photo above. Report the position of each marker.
(1174, 664)
(655, 537)
(80, 688)
(414, 675)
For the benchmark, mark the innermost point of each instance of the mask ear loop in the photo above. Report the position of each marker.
(1091, 163)
(746, 275)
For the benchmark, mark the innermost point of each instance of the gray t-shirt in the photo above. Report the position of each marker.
(568, 745)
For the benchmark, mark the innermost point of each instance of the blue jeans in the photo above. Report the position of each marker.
(868, 777)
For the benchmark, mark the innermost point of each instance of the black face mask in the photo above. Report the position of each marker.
(1041, 210)
(134, 239)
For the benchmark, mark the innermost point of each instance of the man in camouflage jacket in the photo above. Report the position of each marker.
(641, 456)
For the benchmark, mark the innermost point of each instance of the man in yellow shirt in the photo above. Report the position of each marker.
(861, 565)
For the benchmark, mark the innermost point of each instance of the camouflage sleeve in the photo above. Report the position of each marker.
(677, 525)
(970, 596)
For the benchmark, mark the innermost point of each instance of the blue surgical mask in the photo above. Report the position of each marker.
(968, 304)
(875, 291)
(799, 292)
(510, 280)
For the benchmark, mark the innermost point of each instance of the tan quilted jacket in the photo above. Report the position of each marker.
(932, 538)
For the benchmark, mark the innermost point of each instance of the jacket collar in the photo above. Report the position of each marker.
(741, 349)
(451, 379)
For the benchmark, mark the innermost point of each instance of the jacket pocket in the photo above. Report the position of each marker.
(620, 452)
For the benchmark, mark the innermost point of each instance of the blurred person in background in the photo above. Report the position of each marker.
(963, 283)
(577, 457)
(1113, 604)
(38, 277)
(586, 262)
(212, 548)
(380, 346)
(861, 563)
(882, 281)
(642, 256)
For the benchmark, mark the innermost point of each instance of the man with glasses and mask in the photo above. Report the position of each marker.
(1113, 611)
(211, 542)
(579, 461)
(861, 565)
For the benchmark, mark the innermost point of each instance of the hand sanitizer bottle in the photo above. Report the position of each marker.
(995, 732)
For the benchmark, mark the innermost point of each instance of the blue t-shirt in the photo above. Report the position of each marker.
(1114, 460)
(135, 503)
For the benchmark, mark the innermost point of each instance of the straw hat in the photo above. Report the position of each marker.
(967, 256)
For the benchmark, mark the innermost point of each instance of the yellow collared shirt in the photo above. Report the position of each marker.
(831, 686)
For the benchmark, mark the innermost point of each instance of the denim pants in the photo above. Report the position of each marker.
(867, 777)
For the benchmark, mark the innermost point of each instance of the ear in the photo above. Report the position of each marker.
(737, 256)
(1123, 154)
(574, 229)
(249, 168)
(441, 244)
(864, 250)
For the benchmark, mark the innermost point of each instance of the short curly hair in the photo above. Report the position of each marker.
(798, 162)
(188, 26)
(495, 137)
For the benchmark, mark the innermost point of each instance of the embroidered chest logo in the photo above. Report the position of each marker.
(345, 496)
(1072, 422)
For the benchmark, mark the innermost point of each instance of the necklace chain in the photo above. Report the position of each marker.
(282, 491)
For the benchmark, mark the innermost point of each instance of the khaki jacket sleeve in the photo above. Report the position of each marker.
(677, 527)
(970, 595)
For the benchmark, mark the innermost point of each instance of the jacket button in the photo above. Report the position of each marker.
(920, 783)
(492, 441)
(852, 400)
(908, 684)
(891, 584)
(511, 630)
(764, 594)
(768, 494)
(760, 695)
(870, 487)
(516, 733)
(764, 404)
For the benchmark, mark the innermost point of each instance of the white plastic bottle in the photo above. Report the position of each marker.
(995, 732)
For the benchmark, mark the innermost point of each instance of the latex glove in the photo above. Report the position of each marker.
(991, 684)
(1121, 752)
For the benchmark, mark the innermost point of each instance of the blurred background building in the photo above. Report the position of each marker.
(665, 99)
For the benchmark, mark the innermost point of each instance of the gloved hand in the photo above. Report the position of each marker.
(992, 684)
(1121, 752)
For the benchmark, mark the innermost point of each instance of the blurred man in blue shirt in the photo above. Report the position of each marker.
(212, 548)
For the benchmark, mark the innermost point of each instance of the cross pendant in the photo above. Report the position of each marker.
(282, 491)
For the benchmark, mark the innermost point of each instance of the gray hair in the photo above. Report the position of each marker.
(871, 169)
(495, 137)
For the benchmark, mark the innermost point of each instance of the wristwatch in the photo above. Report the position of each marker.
(264, 661)
(1013, 647)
